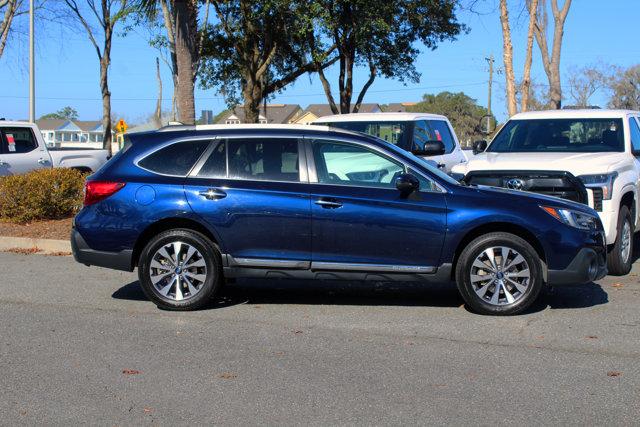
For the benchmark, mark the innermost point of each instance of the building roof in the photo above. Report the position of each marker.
(83, 125)
(379, 117)
(399, 107)
(274, 113)
(321, 110)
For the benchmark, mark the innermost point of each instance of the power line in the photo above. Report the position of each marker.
(56, 98)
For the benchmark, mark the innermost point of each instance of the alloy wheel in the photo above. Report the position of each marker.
(177, 271)
(625, 242)
(500, 275)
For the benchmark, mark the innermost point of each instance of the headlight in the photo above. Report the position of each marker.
(573, 218)
(603, 181)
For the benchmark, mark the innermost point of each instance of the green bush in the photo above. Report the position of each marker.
(40, 195)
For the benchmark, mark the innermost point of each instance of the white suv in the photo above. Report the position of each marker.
(588, 156)
(420, 133)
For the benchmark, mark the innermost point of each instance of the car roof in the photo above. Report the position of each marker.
(378, 117)
(594, 113)
(6, 123)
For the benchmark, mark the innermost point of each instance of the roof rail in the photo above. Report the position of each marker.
(577, 107)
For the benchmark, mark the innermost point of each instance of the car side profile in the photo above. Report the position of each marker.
(193, 206)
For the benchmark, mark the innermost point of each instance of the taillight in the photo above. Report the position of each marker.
(94, 191)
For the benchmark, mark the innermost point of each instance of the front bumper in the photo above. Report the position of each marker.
(588, 265)
(84, 254)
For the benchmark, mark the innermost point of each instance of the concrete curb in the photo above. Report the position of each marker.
(45, 245)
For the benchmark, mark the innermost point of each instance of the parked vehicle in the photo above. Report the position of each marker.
(429, 136)
(22, 150)
(587, 156)
(193, 206)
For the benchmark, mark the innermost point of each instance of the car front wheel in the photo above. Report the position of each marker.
(499, 274)
(620, 255)
(180, 270)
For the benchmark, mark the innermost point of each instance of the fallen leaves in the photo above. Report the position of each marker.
(617, 285)
(60, 253)
(297, 331)
(228, 376)
(131, 372)
(23, 251)
(614, 373)
(591, 337)
(147, 410)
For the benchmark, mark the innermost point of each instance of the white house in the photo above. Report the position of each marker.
(71, 133)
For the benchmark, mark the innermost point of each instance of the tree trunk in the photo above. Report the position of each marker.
(253, 96)
(5, 24)
(532, 5)
(185, 59)
(158, 113)
(106, 103)
(551, 62)
(507, 55)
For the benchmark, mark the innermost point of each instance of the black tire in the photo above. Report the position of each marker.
(212, 262)
(464, 268)
(616, 264)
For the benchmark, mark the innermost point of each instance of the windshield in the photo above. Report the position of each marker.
(559, 135)
(393, 132)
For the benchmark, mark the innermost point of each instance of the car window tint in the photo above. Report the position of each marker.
(421, 134)
(175, 159)
(348, 164)
(635, 134)
(216, 164)
(17, 140)
(266, 159)
(441, 132)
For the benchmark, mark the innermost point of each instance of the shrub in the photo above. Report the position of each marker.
(40, 195)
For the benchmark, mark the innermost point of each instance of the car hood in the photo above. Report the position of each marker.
(575, 163)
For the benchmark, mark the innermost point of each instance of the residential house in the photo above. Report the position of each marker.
(399, 107)
(272, 114)
(315, 111)
(71, 133)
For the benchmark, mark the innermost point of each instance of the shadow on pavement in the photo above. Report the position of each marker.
(253, 291)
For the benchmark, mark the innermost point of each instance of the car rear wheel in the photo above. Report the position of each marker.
(620, 255)
(499, 274)
(180, 270)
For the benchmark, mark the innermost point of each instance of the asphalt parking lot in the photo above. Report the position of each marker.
(82, 344)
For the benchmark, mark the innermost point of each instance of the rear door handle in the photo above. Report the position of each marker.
(213, 194)
(328, 203)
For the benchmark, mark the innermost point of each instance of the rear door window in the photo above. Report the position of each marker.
(264, 159)
(441, 132)
(175, 159)
(17, 140)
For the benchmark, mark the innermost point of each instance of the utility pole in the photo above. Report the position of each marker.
(32, 77)
(490, 60)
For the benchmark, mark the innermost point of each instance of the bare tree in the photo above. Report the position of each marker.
(107, 14)
(585, 82)
(10, 10)
(551, 59)
(513, 90)
(625, 88)
(507, 56)
(532, 7)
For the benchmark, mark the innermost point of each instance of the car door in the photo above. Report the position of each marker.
(19, 151)
(452, 152)
(253, 191)
(360, 218)
(634, 133)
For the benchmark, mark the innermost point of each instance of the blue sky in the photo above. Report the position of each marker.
(67, 66)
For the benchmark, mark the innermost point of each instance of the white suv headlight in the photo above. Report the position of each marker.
(603, 181)
(573, 218)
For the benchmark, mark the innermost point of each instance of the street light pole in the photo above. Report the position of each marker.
(32, 81)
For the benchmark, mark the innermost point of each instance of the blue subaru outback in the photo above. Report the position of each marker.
(191, 207)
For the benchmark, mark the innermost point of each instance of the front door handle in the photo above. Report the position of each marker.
(213, 194)
(328, 203)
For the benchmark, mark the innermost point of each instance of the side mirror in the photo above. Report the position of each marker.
(479, 146)
(407, 184)
(430, 148)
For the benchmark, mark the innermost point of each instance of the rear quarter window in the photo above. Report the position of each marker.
(17, 140)
(175, 159)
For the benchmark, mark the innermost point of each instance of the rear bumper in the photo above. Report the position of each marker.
(85, 255)
(588, 265)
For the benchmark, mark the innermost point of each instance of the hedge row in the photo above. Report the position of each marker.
(40, 195)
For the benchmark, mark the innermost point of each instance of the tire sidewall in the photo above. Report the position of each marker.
(474, 249)
(616, 264)
(212, 261)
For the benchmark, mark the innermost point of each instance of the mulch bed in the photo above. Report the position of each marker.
(58, 229)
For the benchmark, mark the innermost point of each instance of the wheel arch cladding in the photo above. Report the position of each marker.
(169, 224)
(628, 200)
(504, 227)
